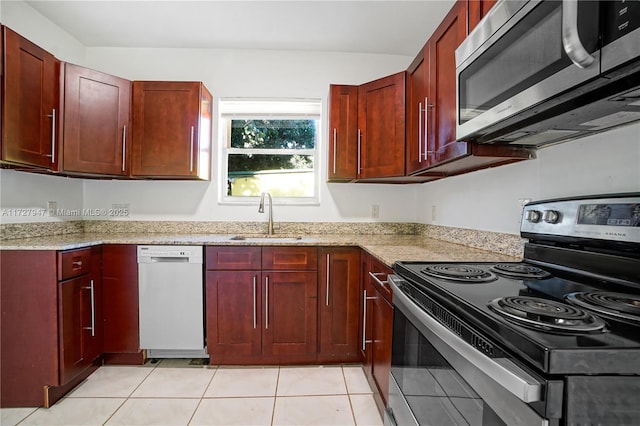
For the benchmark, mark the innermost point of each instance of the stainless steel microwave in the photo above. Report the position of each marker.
(539, 72)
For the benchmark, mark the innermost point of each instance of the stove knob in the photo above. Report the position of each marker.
(533, 216)
(551, 216)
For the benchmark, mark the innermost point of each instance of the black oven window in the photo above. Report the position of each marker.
(435, 393)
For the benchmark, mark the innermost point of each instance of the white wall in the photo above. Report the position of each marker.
(490, 199)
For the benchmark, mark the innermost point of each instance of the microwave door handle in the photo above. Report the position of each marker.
(570, 37)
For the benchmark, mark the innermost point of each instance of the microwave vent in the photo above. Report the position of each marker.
(616, 119)
(541, 138)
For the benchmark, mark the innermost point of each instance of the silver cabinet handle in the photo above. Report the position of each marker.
(328, 273)
(255, 313)
(124, 145)
(93, 310)
(425, 137)
(359, 136)
(191, 151)
(374, 275)
(335, 147)
(570, 37)
(266, 303)
(53, 135)
(364, 320)
(420, 131)
(77, 263)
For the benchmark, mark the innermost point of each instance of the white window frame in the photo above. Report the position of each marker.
(275, 109)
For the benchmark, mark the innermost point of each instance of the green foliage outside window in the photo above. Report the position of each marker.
(271, 155)
(272, 134)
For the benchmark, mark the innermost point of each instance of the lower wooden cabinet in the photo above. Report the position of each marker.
(51, 337)
(80, 313)
(377, 327)
(234, 327)
(120, 298)
(261, 316)
(339, 304)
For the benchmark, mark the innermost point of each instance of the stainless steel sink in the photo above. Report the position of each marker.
(266, 238)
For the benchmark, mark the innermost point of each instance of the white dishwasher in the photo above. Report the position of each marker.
(171, 310)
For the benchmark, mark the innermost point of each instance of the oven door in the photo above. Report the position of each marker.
(438, 379)
(517, 58)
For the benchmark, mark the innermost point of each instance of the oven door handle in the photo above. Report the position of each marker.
(503, 371)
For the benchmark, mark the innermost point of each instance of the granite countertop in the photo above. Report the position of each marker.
(387, 248)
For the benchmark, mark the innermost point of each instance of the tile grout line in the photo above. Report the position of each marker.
(275, 397)
(130, 394)
(204, 392)
(353, 414)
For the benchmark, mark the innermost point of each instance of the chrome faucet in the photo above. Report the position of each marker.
(261, 210)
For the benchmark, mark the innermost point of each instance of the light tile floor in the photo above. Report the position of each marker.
(167, 393)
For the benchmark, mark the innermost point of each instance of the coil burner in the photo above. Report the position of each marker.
(619, 306)
(520, 270)
(459, 273)
(547, 315)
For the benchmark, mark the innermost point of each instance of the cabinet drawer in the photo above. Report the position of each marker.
(233, 258)
(380, 278)
(73, 263)
(290, 258)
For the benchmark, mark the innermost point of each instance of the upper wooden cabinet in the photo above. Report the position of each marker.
(433, 88)
(381, 117)
(367, 132)
(343, 132)
(441, 47)
(30, 89)
(416, 113)
(96, 125)
(172, 130)
(407, 133)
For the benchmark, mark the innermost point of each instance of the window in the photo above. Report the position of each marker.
(270, 145)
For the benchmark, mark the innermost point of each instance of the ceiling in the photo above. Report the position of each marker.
(386, 27)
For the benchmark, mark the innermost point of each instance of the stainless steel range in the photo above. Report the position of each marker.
(554, 339)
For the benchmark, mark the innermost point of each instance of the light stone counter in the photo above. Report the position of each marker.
(387, 248)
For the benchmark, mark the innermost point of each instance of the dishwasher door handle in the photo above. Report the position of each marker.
(162, 259)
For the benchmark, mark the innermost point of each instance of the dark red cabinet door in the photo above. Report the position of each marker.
(289, 315)
(120, 299)
(381, 127)
(234, 319)
(339, 305)
(72, 314)
(96, 122)
(31, 93)
(443, 145)
(343, 132)
(172, 128)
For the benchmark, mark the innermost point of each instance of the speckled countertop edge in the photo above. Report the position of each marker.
(387, 248)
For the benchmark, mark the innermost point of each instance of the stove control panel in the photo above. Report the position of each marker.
(612, 218)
